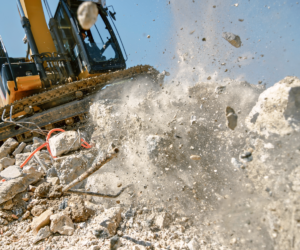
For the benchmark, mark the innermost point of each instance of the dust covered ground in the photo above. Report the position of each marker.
(193, 183)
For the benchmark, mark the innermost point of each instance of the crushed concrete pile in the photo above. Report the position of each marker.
(212, 166)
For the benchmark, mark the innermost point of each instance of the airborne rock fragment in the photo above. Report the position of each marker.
(232, 118)
(233, 39)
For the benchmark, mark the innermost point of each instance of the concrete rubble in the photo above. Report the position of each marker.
(212, 167)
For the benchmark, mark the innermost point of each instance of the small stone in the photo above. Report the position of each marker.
(26, 215)
(11, 172)
(232, 118)
(115, 242)
(193, 120)
(194, 245)
(54, 181)
(61, 223)
(64, 204)
(43, 190)
(220, 90)
(26, 197)
(109, 221)
(27, 149)
(42, 234)
(28, 169)
(52, 173)
(14, 217)
(41, 221)
(233, 241)
(148, 36)
(38, 210)
(31, 188)
(233, 39)
(195, 157)
(163, 220)
(8, 205)
(19, 149)
(38, 140)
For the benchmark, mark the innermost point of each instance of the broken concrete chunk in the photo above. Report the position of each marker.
(79, 212)
(19, 149)
(54, 181)
(8, 147)
(109, 221)
(277, 109)
(11, 172)
(55, 191)
(8, 205)
(41, 221)
(38, 140)
(51, 173)
(28, 169)
(232, 118)
(163, 220)
(64, 142)
(38, 210)
(20, 158)
(42, 234)
(233, 39)
(27, 149)
(220, 90)
(6, 162)
(10, 188)
(61, 223)
(43, 190)
(87, 15)
(72, 167)
(154, 142)
(115, 242)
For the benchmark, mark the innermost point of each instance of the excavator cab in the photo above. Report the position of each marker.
(92, 51)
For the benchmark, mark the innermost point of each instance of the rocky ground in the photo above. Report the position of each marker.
(210, 166)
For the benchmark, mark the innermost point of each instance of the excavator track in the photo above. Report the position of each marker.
(63, 104)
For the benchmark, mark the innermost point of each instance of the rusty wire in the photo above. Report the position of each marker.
(38, 130)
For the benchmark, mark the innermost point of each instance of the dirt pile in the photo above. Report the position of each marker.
(211, 166)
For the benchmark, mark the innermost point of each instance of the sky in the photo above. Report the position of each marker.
(269, 31)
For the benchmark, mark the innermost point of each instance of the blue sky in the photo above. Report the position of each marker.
(270, 33)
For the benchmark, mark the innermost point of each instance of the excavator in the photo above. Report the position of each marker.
(64, 68)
